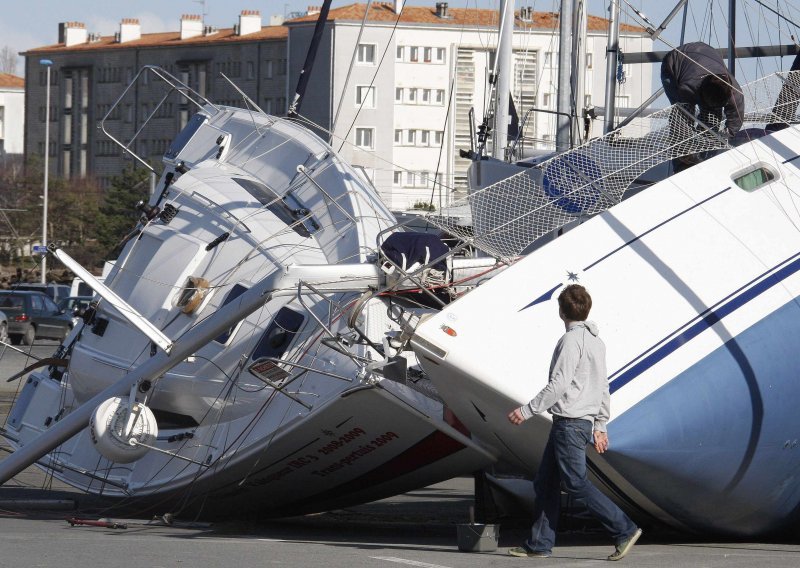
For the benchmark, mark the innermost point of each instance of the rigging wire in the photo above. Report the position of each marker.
(372, 81)
(352, 65)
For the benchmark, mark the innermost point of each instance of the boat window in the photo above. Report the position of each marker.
(288, 209)
(755, 178)
(279, 335)
(184, 136)
(235, 292)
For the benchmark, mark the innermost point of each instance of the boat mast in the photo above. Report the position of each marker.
(732, 37)
(305, 72)
(579, 49)
(564, 100)
(612, 58)
(505, 58)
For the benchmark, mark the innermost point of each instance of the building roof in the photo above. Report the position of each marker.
(378, 12)
(167, 39)
(384, 12)
(8, 81)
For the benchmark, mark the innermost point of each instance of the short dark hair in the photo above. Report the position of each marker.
(714, 91)
(575, 302)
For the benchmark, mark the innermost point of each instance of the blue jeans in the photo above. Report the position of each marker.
(564, 462)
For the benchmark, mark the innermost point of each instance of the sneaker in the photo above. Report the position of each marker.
(625, 546)
(523, 552)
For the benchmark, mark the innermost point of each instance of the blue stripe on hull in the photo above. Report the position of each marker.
(719, 445)
(707, 319)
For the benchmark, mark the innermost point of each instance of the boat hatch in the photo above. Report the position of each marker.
(182, 139)
(754, 178)
(279, 335)
(235, 292)
(168, 420)
(289, 210)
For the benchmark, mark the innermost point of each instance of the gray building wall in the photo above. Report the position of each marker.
(326, 91)
(317, 102)
(86, 83)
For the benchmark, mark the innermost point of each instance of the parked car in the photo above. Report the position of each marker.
(33, 315)
(56, 292)
(75, 306)
(3, 327)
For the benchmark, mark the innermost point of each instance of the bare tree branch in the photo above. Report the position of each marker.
(8, 60)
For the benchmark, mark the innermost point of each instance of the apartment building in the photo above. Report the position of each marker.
(12, 122)
(398, 98)
(88, 74)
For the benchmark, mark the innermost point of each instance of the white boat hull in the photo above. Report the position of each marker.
(695, 284)
(365, 444)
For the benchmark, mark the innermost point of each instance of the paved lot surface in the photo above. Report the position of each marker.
(414, 529)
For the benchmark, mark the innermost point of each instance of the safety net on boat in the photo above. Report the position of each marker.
(510, 215)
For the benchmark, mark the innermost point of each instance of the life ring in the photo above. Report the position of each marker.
(112, 435)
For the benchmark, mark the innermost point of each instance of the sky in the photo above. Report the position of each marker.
(25, 24)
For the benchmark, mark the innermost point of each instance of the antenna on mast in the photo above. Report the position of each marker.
(204, 13)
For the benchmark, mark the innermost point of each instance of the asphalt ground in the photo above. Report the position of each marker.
(418, 528)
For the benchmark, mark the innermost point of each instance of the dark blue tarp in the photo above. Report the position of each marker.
(417, 247)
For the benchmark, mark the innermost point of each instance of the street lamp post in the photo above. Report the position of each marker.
(47, 63)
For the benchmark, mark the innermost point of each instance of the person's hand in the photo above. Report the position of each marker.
(515, 417)
(600, 441)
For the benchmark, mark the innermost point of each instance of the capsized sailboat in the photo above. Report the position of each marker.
(248, 351)
(695, 286)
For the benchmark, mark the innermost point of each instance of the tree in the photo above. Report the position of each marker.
(118, 213)
(8, 60)
(72, 217)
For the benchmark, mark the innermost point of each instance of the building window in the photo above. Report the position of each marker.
(423, 178)
(427, 51)
(412, 96)
(281, 66)
(411, 137)
(410, 178)
(426, 96)
(588, 60)
(267, 106)
(546, 100)
(439, 55)
(251, 70)
(365, 138)
(548, 58)
(587, 101)
(269, 69)
(439, 96)
(424, 137)
(398, 136)
(399, 53)
(414, 54)
(398, 94)
(398, 178)
(437, 137)
(365, 96)
(366, 53)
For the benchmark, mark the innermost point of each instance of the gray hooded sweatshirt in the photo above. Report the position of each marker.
(578, 385)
